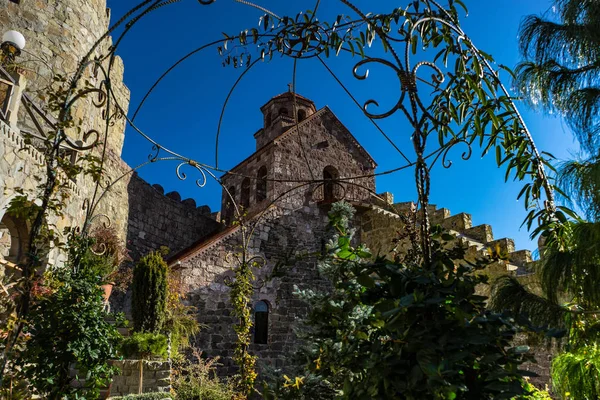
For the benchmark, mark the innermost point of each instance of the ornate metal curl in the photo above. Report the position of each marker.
(318, 192)
(201, 182)
(466, 155)
(106, 224)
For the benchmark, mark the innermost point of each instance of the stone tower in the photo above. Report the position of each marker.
(298, 144)
(59, 34)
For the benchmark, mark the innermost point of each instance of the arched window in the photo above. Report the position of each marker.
(330, 174)
(261, 322)
(229, 205)
(301, 115)
(245, 194)
(283, 111)
(14, 237)
(268, 120)
(261, 184)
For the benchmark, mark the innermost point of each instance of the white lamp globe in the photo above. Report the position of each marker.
(15, 38)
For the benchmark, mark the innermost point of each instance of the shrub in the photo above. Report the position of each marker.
(576, 374)
(406, 329)
(196, 379)
(149, 293)
(68, 326)
(145, 345)
(144, 396)
(181, 320)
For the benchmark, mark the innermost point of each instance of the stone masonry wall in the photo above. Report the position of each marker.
(59, 34)
(157, 220)
(204, 271)
(320, 142)
(157, 377)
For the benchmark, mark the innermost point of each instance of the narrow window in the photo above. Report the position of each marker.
(301, 115)
(283, 111)
(261, 322)
(330, 174)
(268, 120)
(261, 184)
(229, 205)
(245, 200)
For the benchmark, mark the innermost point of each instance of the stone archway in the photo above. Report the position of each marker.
(14, 238)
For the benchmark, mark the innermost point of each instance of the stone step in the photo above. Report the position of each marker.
(438, 216)
(481, 233)
(459, 222)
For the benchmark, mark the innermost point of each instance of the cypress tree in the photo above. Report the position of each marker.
(149, 293)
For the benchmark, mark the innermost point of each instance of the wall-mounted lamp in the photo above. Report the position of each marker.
(12, 44)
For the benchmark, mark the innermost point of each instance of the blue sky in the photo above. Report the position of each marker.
(183, 113)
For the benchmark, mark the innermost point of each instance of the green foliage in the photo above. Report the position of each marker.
(149, 293)
(195, 378)
(576, 375)
(145, 345)
(420, 326)
(534, 393)
(240, 296)
(145, 396)
(561, 65)
(68, 327)
(181, 321)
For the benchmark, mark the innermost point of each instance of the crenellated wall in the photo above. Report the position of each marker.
(156, 219)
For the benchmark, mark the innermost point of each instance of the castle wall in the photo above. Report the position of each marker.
(157, 220)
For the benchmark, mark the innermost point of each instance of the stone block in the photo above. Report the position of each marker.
(481, 233)
(520, 257)
(504, 246)
(459, 222)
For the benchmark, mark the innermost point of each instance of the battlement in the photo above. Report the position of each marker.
(380, 225)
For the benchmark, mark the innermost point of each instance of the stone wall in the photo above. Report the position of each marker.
(157, 377)
(59, 34)
(205, 270)
(156, 219)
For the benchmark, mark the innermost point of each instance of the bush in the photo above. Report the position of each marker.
(145, 396)
(196, 379)
(68, 326)
(145, 345)
(149, 293)
(405, 329)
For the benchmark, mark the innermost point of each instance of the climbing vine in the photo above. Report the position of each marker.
(241, 295)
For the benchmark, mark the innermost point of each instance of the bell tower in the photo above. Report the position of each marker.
(282, 112)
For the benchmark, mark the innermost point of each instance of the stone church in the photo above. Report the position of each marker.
(298, 142)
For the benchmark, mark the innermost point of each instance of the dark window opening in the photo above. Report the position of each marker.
(283, 111)
(261, 184)
(268, 120)
(229, 205)
(301, 115)
(329, 176)
(261, 322)
(245, 194)
(15, 1)
(322, 145)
